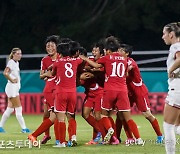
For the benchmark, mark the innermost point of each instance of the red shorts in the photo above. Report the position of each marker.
(94, 102)
(115, 100)
(141, 101)
(49, 99)
(65, 102)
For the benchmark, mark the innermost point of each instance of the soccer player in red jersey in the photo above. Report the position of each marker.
(115, 89)
(65, 70)
(137, 90)
(48, 92)
(93, 81)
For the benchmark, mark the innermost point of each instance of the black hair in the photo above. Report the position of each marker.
(82, 51)
(100, 45)
(64, 49)
(127, 49)
(64, 40)
(111, 43)
(52, 38)
(74, 47)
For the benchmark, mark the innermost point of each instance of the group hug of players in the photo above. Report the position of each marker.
(112, 83)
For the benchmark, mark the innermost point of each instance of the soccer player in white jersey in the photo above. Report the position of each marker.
(12, 73)
(171, 36)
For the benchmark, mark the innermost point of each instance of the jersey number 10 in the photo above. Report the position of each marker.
(118, 69)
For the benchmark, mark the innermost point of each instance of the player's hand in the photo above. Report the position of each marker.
(86, 75)
(171, 75)
(14, 80)
(49, 74)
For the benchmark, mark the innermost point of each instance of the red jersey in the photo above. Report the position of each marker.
(45, 63)
(134, 78)
(115, 66)
(99, 75)
(66, 70)
(92, 88)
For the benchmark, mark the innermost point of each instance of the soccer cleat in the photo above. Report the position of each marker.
(45, 139)
(98, 137)
(33, 140)
(2, 130)
(57, 142)
(60, 145)
(139, 141)
(74, 143)
(91, 142)
(25, 130)
(115, 141)
(159, 139)
(69, 143)
(108, 135)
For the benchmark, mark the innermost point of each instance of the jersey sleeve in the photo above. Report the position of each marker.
(101, 60)
(43, 65)
(10, 64)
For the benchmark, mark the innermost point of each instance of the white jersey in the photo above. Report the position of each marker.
(15, 71)
(174, 83)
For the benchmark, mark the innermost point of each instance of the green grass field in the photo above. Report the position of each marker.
(84, 134)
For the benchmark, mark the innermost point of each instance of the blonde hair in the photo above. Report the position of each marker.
(13, 51)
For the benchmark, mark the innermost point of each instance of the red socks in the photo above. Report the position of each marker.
(106, 122)
(47, 131)
(113, 126)
(72, 127)
(93, 122)
(156, 127)
(62, 131)
(56, 132)
(43, 127)
(127, 129)
(133, 127)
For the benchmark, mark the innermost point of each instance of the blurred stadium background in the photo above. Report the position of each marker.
(26, 24)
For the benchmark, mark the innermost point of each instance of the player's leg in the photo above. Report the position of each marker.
(18, 112)
(170, 116)
(61, 116)
(125, 126)
(177, 127)
(46, 115)
(72, 125)
(46, 124)
(6, 115)
(154, 122)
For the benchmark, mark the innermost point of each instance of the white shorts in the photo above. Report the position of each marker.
(12, 89)
(173, 98)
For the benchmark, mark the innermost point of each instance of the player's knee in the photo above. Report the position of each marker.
(85, 115)
(148, 115)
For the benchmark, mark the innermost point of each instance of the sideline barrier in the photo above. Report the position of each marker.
(32, 103)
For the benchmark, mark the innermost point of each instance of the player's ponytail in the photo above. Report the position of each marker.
(13, 51)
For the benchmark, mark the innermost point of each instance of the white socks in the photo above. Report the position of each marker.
(177, 130)
(170, 138)
(6, 115)
(18, 112)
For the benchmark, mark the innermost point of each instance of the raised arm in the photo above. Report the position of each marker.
(92, 63)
